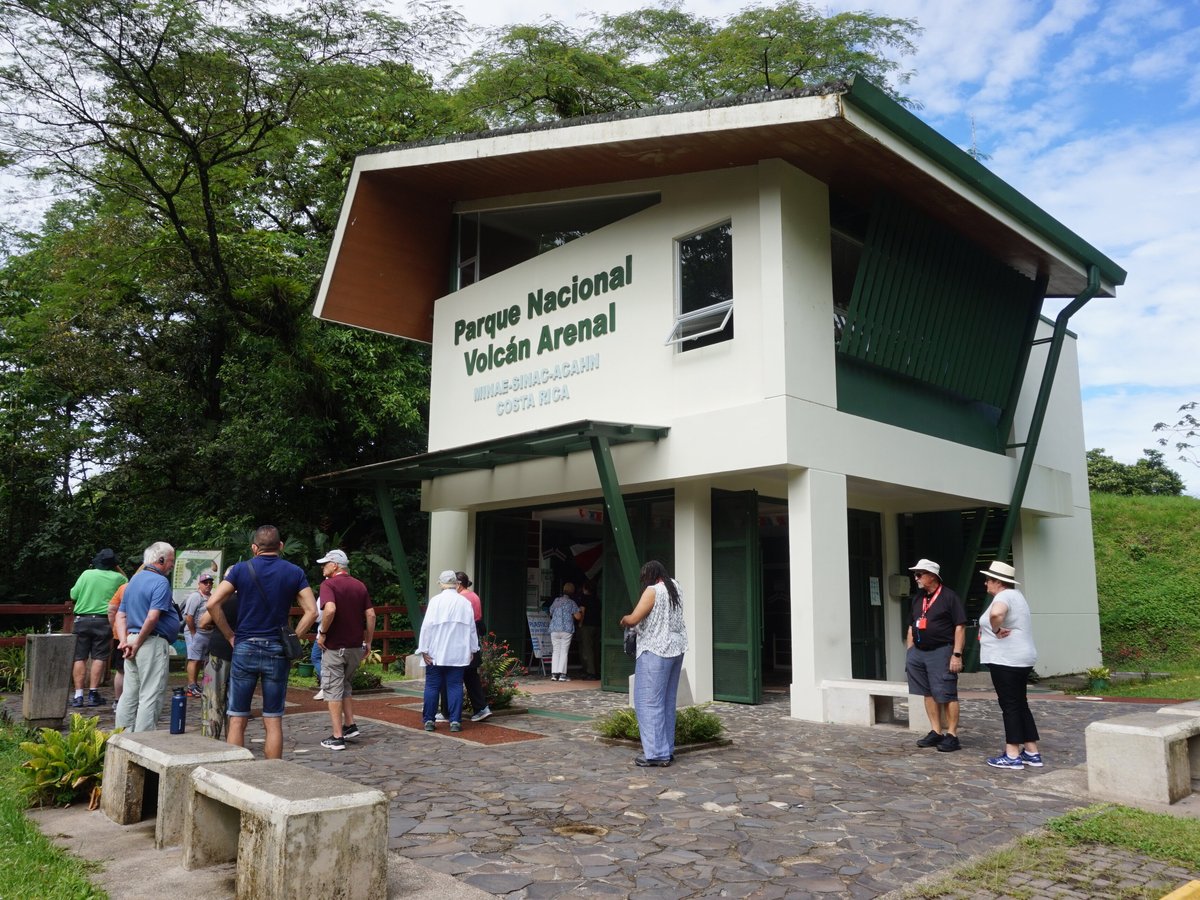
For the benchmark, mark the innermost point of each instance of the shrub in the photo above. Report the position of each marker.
(498, 671)
(365, 680)
(693, 725)
(12, 669)
(61, 768)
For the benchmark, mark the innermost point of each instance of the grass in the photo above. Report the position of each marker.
(31, 866)
(1048, 853)
(1180, 684)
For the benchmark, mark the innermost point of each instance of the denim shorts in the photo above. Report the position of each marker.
(255, 658)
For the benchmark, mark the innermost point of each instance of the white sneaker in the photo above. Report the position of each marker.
(319, 695)
(439, 718)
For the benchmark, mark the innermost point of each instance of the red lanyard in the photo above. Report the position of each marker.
(928, 601)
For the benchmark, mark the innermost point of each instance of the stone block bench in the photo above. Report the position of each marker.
(294, 832)
(864, 702)
(1143, 757)
(168, 759)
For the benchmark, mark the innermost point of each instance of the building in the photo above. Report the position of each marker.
(787, 344)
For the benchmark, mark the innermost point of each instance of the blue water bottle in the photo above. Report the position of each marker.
(178, 710)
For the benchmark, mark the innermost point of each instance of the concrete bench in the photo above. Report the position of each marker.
(864, 702)
(1144, 757)
(294, 832)
(167, 760)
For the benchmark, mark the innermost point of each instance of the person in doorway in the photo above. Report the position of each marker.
(1006, 647)
(147, 623)
(446, 644)
(214, 688)
(661, 643)
(589, 631)
(935, 638)
(195, 638)
(564, 614)
(93, 634)
(267, 587)
(345, 635)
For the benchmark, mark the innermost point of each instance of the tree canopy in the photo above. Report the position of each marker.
(1149, 475)
(161, 374)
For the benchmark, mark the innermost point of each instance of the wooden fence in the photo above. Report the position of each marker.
(384, 637)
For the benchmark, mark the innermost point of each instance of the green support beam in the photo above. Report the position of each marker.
(614, 510)
(383, 498)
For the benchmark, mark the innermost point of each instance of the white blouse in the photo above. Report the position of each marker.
(663, 631)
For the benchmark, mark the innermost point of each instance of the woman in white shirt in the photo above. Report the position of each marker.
(1006, 648)
(662, 640)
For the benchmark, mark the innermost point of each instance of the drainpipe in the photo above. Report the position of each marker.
(1039, 408)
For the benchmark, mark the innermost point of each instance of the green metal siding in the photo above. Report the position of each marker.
(737, 597)
(944, 325)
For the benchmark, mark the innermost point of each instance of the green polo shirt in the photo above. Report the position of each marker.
(94, 589)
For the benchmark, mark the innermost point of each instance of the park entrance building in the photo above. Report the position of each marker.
(787, 345)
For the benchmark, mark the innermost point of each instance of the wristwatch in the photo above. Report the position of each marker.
(959, 655)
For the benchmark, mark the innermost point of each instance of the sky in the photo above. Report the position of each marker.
(1092, 111)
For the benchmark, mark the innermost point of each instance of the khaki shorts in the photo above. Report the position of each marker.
(337, 671)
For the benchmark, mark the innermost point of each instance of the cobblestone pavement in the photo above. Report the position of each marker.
(790, 809)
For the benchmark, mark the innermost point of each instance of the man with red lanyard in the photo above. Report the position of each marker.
(935, 648)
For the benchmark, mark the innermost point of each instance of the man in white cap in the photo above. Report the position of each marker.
(447, 642)
(195, 637)
(345, 634)
(935, 638)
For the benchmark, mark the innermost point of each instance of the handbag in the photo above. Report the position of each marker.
(292, 648)
(631, 642)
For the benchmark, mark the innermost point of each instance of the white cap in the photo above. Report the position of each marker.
(335, 556)
(448, 578)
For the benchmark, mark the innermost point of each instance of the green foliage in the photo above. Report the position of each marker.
(12, 669)
(498, 669)
(693, 725)
(663, 54)
(1148, 475)
(365, 679)
(62, 768)
(1147, 579)
(31, 866)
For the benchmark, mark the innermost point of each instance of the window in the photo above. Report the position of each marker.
(494, 240)
(704, 275)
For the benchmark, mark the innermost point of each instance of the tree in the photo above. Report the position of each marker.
(1148, 475)
(1186, 432)
(663, 54)
(161, 374)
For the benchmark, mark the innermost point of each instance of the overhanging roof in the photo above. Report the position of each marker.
(559, 441)
(390, 258)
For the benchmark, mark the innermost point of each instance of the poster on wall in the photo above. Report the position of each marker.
(189, 566)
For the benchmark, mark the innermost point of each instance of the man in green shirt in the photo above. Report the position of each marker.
(93, 634)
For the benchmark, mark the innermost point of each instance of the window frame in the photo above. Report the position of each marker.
(708, 320)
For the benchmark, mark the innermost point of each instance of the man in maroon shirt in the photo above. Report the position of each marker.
(346, 632)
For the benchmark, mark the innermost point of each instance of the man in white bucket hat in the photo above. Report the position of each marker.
(935, 638)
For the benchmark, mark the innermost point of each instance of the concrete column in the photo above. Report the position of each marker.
(693, 569)
(48, 661)
(449, 547)
(820, 579)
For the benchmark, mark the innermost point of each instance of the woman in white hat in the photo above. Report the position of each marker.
(1006, 648)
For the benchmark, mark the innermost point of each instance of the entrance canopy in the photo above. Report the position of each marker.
(559, 440)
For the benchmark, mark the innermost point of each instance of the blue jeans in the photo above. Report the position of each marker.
(255, 658)
(655, 684)
(452, 678)
(316, 661)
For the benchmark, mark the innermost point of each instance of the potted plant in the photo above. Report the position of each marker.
(1097, 678)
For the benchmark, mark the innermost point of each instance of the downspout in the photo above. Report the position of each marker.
(1039, 408)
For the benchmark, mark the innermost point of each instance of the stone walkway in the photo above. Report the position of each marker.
(791, 809)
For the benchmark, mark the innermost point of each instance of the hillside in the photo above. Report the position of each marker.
(1148, 579)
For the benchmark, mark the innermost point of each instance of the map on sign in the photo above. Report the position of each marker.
(189, 566)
